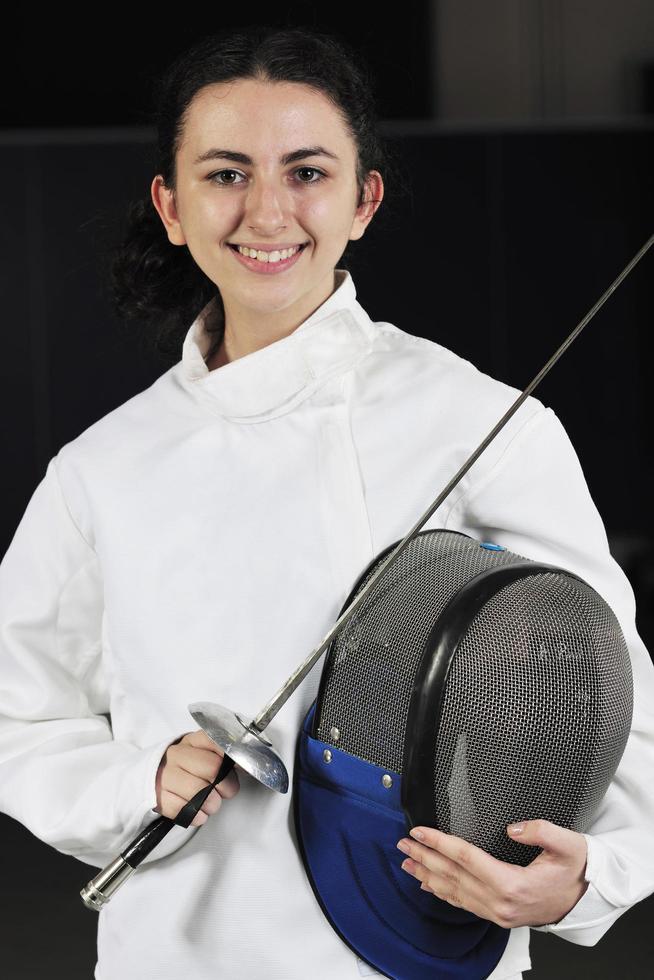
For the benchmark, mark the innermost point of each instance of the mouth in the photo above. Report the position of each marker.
(237, 245)
(263, 266)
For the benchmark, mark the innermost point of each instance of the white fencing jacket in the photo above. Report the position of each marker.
(196, 543)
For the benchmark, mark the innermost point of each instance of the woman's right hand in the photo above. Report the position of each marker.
(189, 764)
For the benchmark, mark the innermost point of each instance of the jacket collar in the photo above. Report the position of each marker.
(273, 380)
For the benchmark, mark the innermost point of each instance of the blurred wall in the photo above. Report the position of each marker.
(542, 59)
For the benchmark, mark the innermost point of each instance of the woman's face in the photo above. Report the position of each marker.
(221, 199)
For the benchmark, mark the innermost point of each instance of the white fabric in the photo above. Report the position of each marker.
(195, 544)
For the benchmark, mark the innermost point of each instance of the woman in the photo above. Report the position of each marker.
(199, 540)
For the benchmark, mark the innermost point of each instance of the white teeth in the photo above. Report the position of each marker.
(268, 256)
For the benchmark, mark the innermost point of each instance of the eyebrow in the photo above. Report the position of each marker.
(301, 154)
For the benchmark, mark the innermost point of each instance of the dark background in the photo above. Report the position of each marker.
(526, 132)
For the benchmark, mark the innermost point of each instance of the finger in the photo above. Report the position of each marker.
(213, 802)
(229, 786)
(550, 836)
(210, 805)
(471, 896)
(201, 740)
(196, 761)
(205, 765)
(448, 880)
(432, 860)
(185, 784)
(171, 804)
(473, 859)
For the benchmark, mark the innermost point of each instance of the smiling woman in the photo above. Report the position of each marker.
(295, 120)
(269, 209)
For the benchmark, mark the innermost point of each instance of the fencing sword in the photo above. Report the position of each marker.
(243, 742)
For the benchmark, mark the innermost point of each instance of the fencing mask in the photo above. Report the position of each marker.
(472, 688)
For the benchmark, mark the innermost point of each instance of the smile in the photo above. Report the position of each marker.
(266, 267)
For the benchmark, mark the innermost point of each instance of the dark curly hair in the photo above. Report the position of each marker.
(159, 284)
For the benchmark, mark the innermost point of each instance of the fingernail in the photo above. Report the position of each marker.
(418, 834)
(515, 828)
(403, 846)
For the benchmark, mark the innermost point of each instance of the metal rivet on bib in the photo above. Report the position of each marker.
(327, 756)
(387, 781)
(335, 734)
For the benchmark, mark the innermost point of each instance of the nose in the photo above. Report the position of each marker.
(266, 206)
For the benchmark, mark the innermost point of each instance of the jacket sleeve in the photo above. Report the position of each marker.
(534, 500)
(62, 774)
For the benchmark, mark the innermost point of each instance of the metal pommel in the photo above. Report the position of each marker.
(99, 890)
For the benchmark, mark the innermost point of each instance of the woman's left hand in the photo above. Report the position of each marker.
(467, 877)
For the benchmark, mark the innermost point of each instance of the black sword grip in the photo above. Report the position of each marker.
(99, 891)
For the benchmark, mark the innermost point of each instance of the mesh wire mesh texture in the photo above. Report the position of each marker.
(537, 710)
(536, 705)
(372, 662)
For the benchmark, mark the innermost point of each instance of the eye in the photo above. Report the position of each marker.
(321, 175)
(213, 178)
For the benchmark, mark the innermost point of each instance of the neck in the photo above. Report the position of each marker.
(247, 331)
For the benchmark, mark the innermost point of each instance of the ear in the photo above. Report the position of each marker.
(163, 199)
(373, 193)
